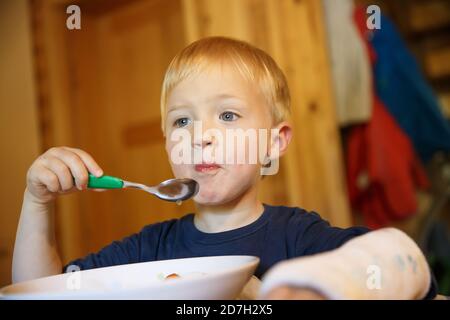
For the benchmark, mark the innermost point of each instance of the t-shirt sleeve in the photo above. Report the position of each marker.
(138, 247)
(116, 253)
(315, 235)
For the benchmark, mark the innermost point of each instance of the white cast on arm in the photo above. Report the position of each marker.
(382, 264)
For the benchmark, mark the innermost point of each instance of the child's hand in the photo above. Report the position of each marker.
(60, 170)
(293, 293)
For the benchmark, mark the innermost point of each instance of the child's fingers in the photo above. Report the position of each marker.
(90, 163)
(60, 169)
(99, 190)
(73, 189)
(77, 167)
(293, 293)
(49, 179)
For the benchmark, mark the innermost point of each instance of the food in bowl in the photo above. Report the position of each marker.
(172, 276)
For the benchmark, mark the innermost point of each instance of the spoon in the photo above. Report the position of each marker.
(175, 190)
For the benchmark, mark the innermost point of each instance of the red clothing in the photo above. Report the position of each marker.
(382, 155)
(382, 167)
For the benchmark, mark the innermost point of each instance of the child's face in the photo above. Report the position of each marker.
(221, 99)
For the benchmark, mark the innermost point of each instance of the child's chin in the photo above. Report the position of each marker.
(209, 199)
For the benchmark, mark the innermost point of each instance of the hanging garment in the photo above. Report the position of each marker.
(350, 66)
(401, 86)
(383, 170)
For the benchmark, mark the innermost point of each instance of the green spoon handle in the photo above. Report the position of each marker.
(104, 182)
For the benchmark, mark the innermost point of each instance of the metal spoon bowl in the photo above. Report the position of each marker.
(170, 190)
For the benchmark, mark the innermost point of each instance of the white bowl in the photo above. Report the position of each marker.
(219, 277)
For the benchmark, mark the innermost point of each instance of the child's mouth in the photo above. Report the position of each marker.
(206, 167)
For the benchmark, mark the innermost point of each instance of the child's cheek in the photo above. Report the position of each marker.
(169, 151)
(177, 170)
(180, 171)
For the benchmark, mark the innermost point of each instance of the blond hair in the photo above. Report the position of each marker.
(254, 65)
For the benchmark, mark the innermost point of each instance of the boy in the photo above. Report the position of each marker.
(224, 86)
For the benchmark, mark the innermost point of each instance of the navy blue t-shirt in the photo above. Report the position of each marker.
(280, 233)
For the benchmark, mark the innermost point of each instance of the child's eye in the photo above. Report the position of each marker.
(182, 122)
(228, 116)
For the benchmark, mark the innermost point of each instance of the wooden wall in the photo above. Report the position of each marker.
(19, 136)
(99, 90)
(293, 33)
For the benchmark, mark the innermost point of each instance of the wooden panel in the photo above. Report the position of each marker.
(444, 98)
(437, 62)
(429, 15)
(19, 125)
(99, 85)
(52, 68)
(143, 133)
(103, 85)
(292, 32)
(120, 63)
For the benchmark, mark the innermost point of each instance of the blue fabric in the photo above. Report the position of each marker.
(399, 83)
(280, 233)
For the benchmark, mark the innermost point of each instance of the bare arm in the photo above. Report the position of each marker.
(58, 171)
(35, 252)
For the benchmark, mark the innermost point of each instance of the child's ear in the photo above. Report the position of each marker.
(282, 139)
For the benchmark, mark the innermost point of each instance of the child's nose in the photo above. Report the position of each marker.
(204, 141)
(205, 135)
